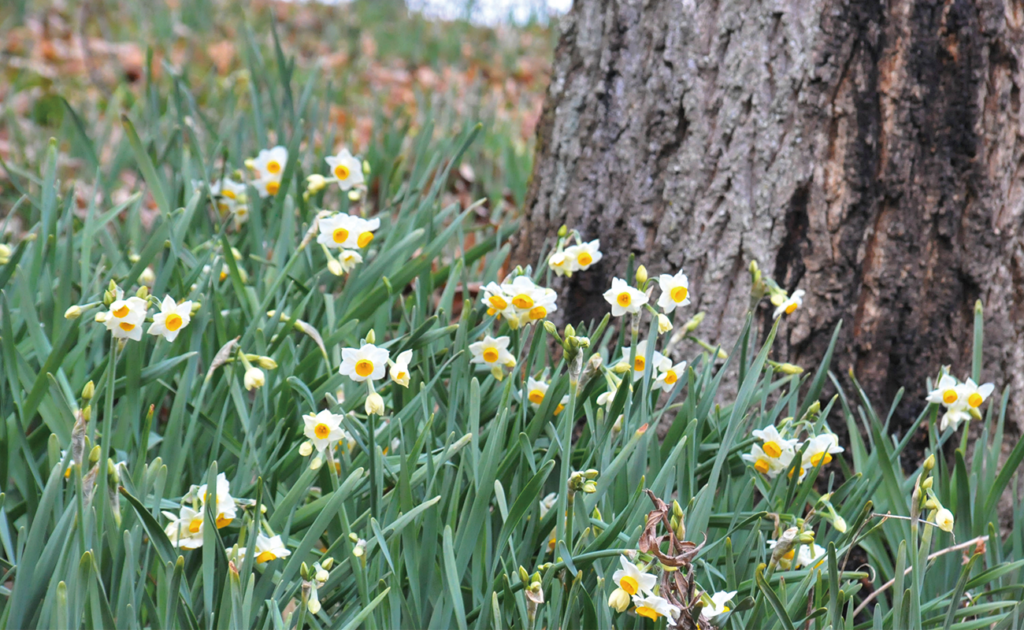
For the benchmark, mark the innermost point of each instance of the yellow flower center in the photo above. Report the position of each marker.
(629, 584)
(223, 207)
(772, 449)
(339, 235)
(584, 259)
(624, 299)
(195, 524)
(789, 554)
(341, 172)
(223, 521)
(273, 187)
(678, 294)
(172, 322)
(539, 312)
(266, 556)
(321, 431)
(230, 194)
(791, 308)
(121, 312)
(725, 609)
(364, 367)
(559, 408)
(975, 400)
(490, 355)
(817, 457)
(492, 311)
(223, 276)
(401, 376)
(522, 301)
(670, 377)
(949, 396)
(800, 472)
(639, 363)
(536, 396)
(762, 466)
(498, 302)
(273, 166)
(125, 326)
(364, 239)
(647, 611)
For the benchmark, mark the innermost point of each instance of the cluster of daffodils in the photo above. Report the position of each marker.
(312, 580)
(630, 299)
(186, 528)
(962, 401)
(795, 548)
(580, 256)
(519, 300)
(229, 198)
(267, 169)
(341, 236)
(125, 318)
(346, 170)
(666, 374)
(925, 500)
(777, 449)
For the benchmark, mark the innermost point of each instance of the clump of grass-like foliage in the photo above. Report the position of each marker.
(447, 502)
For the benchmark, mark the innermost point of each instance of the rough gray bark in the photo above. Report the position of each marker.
(870, 153)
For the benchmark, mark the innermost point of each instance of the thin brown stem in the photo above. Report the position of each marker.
(932, 556)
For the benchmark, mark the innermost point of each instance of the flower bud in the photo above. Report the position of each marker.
(641, 275)
(266, 363)
(374, 404)
(94, 454)
(322, 575)
(839, 523)
(619, 600)
(524, 576)
(944, 519)
(315, 183)
(677, 510)
(335, 267)
(73, 312)
(5, 254)
(87, 413)
(590, 487)
(88, 391)
(570, 331)
(927, 483)
(143, 292)
(550, 328)
(806, 538)
(371, 336)
(353, 195)
(147, 277)
(195, 307)
(563, 231)
(930, 462)
(327, 563)
(316, 463)
(591, 473)
(305, 449)
(254, 379)
(695, 321)
(789, 368)
(664, 325)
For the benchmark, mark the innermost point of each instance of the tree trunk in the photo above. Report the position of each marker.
(871, 153)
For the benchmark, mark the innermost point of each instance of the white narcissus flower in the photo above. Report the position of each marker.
(525, 300)
(399, 370)
(584, 255)
(495, 298)
(185, 530)
(953, 417)
(339, 231)
(718, 604)
(562, 265)
(822, 448)
(632, 580)
(267, 548)
(492, 351)
(675, 291)
(171, 319)
(640, 360)
(812, 555)
(619, 600)
(226, 508)
(944, 519)
(973, 394)
(668, 375)
(125, 317)
(790, 305)
(254, 379)
(654, 607)
(269, 167)
(346, 169)
(946, 392)
(535, 391)
(772, 442)
(547, 503)
(322, 429)
(624, 298)
(770, 466)
(368, 362)
(348, 259)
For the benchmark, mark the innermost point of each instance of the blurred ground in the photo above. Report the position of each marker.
(376, 60)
